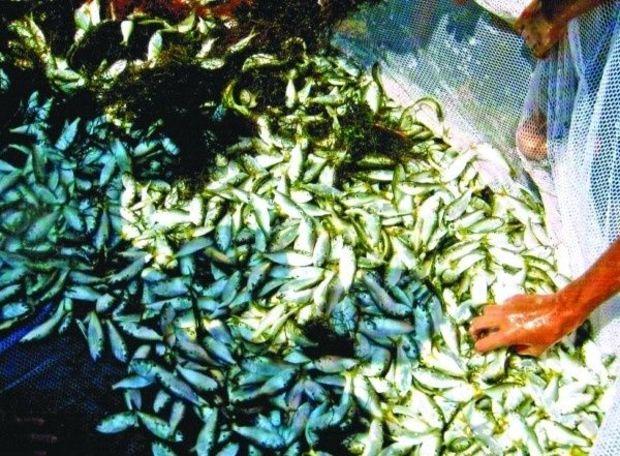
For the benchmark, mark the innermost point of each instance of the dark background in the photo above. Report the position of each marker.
(56, 379)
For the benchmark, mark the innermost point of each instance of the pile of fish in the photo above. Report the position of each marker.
(60, 212)
(305, 297)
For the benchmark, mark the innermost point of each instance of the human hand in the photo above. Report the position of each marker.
(540, 32)
(532, 136)
(529, 323)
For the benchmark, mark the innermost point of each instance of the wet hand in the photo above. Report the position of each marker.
(532, 137)
(530, 324)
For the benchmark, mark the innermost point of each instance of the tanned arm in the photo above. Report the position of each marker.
(532, 324)
(543, 23)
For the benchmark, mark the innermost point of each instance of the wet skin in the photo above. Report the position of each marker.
(532, 324)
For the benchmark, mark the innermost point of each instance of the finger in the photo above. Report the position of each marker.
(549, 40)
(519, 298)
(523, 22)
(483, 324)
(492, 341)
(531, 350)
(530, 40)
(540, 51)
(493, 310)
(518, 26)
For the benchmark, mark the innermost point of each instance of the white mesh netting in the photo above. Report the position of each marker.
(491, 87)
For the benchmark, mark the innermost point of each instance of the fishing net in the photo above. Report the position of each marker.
(490, 86)
(58, 381)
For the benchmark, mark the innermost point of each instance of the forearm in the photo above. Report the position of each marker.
(597, 285)
(563, 11)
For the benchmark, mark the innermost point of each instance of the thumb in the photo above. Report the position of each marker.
(531, 350)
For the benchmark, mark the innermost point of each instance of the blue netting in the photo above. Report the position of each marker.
(9, 339)
(56, 379)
